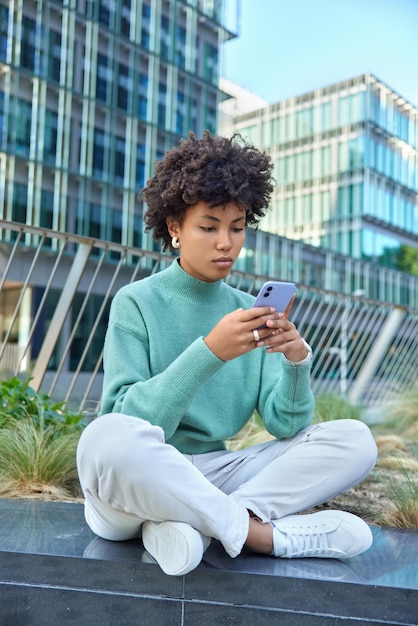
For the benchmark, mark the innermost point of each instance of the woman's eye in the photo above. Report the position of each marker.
(208, 229)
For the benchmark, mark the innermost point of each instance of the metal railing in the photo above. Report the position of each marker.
(56, 289)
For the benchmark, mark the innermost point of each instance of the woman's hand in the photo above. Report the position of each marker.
(233, 335)
(284, 337)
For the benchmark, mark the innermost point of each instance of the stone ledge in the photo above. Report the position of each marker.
(53, 570)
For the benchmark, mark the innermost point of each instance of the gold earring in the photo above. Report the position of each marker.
(175, 242)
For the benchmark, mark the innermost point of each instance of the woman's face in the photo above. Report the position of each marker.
(210, 239)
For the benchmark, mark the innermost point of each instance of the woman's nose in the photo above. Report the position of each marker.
(224, 241)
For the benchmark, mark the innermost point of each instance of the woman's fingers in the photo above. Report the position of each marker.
(245, 329)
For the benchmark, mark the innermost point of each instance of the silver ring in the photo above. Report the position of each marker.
(256, 335)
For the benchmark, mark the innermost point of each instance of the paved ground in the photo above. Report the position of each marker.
(54, 571)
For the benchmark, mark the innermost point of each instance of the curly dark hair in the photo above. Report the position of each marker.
(217, 170)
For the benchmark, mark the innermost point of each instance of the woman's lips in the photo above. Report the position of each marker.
(223, 261)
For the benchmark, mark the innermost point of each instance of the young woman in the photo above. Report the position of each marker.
(187, 360)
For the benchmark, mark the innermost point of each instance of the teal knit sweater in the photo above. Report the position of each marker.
(157, 366)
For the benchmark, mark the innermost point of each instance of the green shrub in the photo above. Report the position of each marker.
(38, 441)
(252, 434)
(18, 401)
(401, 414)
(333, 407)
(402, 492)
(32, 455)
(327, 407)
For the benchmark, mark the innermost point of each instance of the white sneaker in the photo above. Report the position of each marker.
(177, 547)
(326, 534)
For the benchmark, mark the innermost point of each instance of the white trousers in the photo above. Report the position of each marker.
(129, 474)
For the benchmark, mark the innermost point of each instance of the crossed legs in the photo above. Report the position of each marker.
(129, 475)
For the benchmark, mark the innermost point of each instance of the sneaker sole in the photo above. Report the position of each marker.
(177, 547)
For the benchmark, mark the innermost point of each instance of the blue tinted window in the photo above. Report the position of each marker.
(102, 77)
(54, 55)
(343, 111)
(47, 209)
(22, 126)
(95, 221)
(50, 136)
(137, 230)
(210, 59)
(357, 107)
(145, 30)
(162, 91)
(326, 116)
(181, 46)
(211, 119)
(325, 161)
(180, 113)
(289, 169)
(290, 131)
(4, 18)
(27, 51)
(143, 96)
(117, 219)
(1, 117)
(106, 10)
(119, 160)
(20, 203)
(165, 40)
(98, 152)
(140, 166)
(355, 153)
(342, 156)
(124, 87)
(356, 199)
(374, 108)
(125, 20)
(326, 205)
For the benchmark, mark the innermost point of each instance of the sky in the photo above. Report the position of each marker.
(290, 47)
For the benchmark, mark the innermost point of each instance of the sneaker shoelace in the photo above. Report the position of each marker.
(307, 541)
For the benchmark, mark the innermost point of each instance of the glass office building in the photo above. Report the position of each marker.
(346, 166)
(92, 92)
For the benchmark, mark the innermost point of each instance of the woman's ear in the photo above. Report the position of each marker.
(172, 227)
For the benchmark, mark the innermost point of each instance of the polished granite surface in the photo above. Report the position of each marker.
(59, 529)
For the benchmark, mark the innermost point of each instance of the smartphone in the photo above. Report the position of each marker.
(277, 294)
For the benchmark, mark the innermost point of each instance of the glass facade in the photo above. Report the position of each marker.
(92, 92)
(346, 166)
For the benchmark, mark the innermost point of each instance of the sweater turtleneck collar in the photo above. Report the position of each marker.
(187, 287)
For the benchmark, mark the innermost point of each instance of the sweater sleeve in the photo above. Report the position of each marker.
(129, 386)
(286, 400)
